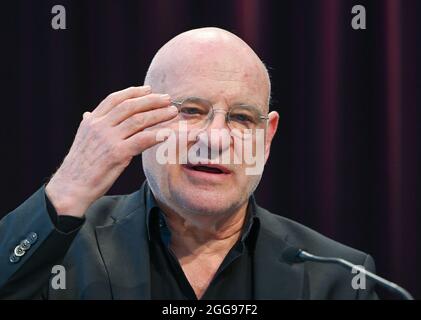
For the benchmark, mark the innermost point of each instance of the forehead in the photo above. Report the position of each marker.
(218, 84)
(212, 67)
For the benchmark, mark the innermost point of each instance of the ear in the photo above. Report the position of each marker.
(270, 132)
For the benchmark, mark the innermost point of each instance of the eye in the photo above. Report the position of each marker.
(194, 108)
(241, 117)
(189, 110)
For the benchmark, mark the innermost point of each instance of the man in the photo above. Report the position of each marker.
(193, 231)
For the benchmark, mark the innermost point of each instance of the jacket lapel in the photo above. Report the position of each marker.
(125, 250)
(275, 278)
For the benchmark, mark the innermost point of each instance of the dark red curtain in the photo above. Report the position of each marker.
(346, 158)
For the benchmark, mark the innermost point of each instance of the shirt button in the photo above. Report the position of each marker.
(32, 237)
(13, 258)
(19, 252)
(25, 244)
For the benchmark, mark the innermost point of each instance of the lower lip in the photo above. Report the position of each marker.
(205, 176)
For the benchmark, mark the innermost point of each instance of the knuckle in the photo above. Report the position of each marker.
(95, 125)
(112, 98)
(95, 129)
(86, 123)
(131, 91)
(138, 121)
(126, 105)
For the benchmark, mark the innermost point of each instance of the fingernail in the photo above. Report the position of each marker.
(165, 96)
(172, 109)
(147, 89)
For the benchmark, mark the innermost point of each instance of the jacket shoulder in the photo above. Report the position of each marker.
(324, 281)
(303, 237)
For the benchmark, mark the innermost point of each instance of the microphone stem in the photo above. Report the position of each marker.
(391, 286)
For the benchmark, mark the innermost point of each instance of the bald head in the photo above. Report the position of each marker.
(209, 55)
(217, 66)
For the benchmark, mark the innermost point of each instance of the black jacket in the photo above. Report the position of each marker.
(108, 258)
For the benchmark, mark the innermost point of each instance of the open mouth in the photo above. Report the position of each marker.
(214, 169)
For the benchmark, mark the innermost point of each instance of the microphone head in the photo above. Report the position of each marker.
(292, 255)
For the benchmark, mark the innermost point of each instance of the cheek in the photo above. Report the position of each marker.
(151, 164)
(148, 157)
(242, 179)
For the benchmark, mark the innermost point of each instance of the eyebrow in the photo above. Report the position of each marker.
(180, 99)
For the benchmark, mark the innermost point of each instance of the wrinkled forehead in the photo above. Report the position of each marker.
(213, 73)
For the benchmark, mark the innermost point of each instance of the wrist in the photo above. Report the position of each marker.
(67, 201)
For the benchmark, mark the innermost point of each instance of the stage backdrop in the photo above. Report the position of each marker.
(346, 160)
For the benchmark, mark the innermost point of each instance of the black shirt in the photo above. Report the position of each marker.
(233, 279)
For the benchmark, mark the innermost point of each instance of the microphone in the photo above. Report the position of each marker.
(296, 255)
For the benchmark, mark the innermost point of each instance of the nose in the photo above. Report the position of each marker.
(216, 134)
(219, 120)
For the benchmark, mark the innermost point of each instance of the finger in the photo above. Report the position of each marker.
(86, 115)
(141, 121)
(129, 107)
(118, 97)
(143, 140)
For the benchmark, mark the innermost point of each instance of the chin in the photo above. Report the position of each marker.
(205, 202)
